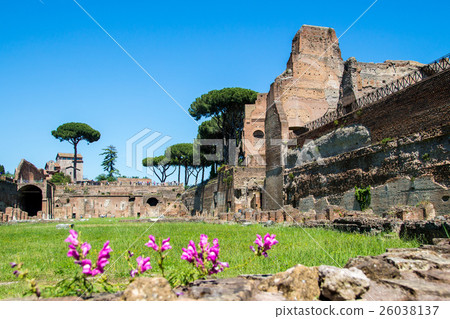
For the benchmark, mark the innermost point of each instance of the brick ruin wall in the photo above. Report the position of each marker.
(420, 107)
(77, 201)
(233, 190)
(417, 121)
(316, 81)
(8, 200)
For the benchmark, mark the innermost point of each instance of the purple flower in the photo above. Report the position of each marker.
(166, 244)
(86, 265)
(134, 272)
(85, 248)
(213, 253)
(73, 238)
(102, 259)
(218, 267)
(130, 254)
(264, 244)
(16, 273)
(13, 264)
(151, 243)
(73, 252)
(104, 252)
(190, 253)
(207, 256)
(143, 264)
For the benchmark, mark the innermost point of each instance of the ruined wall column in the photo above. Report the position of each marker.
(276, 132)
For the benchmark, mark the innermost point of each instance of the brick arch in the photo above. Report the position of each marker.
(30, 199)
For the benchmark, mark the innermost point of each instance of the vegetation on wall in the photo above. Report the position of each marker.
(60, 179)
(363, 197)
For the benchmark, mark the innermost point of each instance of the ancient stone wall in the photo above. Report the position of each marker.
(254, 132)
(8, 194)
(360, 78)
(403, 171)
(234, 189)
(26, 172)
(78, 201)
(417, 108)
(315, 82)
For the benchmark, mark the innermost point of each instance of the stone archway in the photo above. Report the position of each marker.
(152, 207)
(152, 201)
(30, 199)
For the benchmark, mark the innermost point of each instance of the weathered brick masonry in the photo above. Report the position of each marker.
(420, 107)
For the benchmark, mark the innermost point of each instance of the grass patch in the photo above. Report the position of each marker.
(42, 249)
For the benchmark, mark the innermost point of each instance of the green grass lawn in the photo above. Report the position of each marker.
(42, 249)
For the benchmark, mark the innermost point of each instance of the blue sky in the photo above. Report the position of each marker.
(58, 66)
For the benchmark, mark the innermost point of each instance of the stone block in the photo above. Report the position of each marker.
(299, 283)
(279, 216)
(342, 284)
(149, 289)
(272, 216)
(264, 217)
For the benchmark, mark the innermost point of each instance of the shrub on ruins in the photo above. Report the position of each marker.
(104, 177)
(60, 179)
(363, 197)
(74, 133)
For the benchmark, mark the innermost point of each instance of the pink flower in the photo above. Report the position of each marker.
(207, 254)
(214, 251)
(190, 253)
(151, 243)
(134, 272)
(104, 252)
(264, 244)
(218, 267)
(166, 244)
(73, 238)
(143, 264)
(204, 245)
(85, 248)
(86, 265)
(13, 264)
(73, 252)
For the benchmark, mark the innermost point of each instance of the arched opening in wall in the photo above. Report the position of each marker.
(30, 199)
(258, 134)
(152, 201)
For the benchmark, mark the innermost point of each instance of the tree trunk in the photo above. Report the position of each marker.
(179, 169)
(203, 174)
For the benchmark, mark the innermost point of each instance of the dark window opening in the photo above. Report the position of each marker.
(152, 201)
(258, 134)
